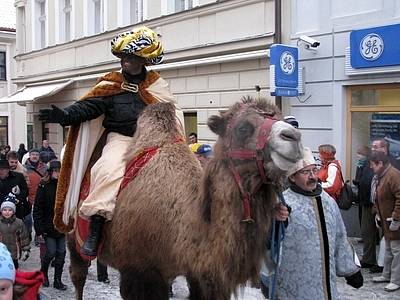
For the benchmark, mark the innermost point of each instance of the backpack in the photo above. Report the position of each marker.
(346, 196)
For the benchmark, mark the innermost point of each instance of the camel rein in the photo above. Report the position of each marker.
(248, 154)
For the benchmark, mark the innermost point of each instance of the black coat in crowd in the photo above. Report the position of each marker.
(363, 180)
(43, 209)
(6, 185)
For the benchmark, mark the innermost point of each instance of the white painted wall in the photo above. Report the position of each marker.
(322, 116)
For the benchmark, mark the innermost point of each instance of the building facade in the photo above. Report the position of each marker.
(341, 104)
(348, 103)
(12, 116)
(215, 52)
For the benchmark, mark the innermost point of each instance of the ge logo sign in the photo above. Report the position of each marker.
(371, 46)
(287, 62)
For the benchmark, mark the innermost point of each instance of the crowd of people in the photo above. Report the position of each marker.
(28, 182)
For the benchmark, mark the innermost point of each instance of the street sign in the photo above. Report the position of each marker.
(375, 47)
(284, 70)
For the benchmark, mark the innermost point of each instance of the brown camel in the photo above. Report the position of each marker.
(174, 219)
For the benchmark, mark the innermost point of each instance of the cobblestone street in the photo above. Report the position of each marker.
(100, 291)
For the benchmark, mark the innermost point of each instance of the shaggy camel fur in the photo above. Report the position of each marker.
(174, 219)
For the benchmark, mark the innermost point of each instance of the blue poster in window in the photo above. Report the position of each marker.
(284, 70)
(387, 126)
(375, 47)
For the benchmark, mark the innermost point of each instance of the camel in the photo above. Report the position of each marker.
(176, 219)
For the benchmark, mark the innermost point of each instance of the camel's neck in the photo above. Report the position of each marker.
(238, 246)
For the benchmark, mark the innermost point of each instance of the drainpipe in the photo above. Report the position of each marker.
(278, 38)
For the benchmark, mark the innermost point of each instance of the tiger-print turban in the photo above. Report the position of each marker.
(142, 42)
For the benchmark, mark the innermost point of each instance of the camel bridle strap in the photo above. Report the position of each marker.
(248, 154)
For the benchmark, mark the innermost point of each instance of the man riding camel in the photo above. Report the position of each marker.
(119, 97)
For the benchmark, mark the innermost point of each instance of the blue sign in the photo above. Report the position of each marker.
(284, 70)
(375, 47)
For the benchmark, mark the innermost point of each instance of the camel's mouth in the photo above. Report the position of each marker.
(285, 145)
(282, 161)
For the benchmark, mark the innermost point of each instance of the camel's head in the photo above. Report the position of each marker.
(253, 129)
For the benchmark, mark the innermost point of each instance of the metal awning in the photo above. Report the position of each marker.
(34, 92)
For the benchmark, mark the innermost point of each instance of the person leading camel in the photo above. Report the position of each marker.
(119, 97)
(315, 249)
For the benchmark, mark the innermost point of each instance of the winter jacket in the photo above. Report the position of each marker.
(6, 185)
(35, 174)
(43, 210)
(363, 180)
(388, 200)
(120, 111)
(14, 235)
(331, 179)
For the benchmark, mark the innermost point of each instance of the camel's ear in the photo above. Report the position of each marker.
(217, 125)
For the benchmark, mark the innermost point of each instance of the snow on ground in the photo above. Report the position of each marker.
(99, 291)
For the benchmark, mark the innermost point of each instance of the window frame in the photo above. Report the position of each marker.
(40, 30)
(169, 6)
(4, 66)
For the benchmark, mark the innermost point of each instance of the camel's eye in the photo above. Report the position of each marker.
(244, 129)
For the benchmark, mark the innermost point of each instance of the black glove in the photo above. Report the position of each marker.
(356, 280)
(52, 115)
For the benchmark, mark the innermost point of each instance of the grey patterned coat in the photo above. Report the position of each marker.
(302, 273)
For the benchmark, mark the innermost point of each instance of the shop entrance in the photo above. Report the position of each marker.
(373, 112)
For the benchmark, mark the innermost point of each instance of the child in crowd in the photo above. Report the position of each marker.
(13, 232)
(7, 274)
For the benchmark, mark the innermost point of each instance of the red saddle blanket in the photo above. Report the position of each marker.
(132, 169)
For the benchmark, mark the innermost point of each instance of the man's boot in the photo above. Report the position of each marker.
(45, 269)
(58, 269)
(91, 244)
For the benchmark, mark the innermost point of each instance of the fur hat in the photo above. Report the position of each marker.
(4, 164)
(8, 204)
(7, 269)
(305, 161)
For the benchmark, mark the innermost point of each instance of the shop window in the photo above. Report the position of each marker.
(374, 112)
(45, 132)
(3, 131)
(29, 136)
(190, 122)
(3, 66)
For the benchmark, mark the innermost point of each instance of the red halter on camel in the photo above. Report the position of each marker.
(247, 154)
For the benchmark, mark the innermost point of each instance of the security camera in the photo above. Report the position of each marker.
(309, 42)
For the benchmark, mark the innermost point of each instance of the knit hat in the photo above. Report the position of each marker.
(292, 121)
(7, 270)
(204, 149)
(4, 164)
(34, 150)
(305, 161)
(54, 165)
(8, 204)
